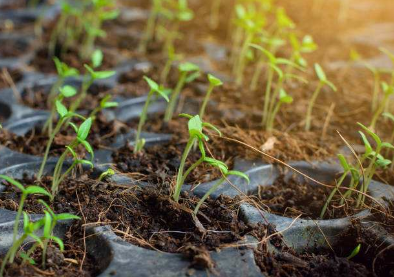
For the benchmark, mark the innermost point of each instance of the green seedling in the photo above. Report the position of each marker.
(29, 230)
(105, 103)
(81, 139)
(30, 190)
(373, 158)
(355, 178)
(213, 82)
(150, 27)
(49, 222)
(307, 45)
(155, 90)
(188, 73)
(225, 173)
(64, 117)
(108, 173)
(284, 98)
(354, 252)
(196, 135)
(388, 90)
(323, 81)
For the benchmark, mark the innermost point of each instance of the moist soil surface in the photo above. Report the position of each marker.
(292, 198)
(34, 142)
(147, 217)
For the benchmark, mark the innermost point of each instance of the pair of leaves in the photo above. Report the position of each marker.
(196, 126)
(97, 75)
(224, 168)
(63, 70)
(323, 77)
(160, 90)
(213, 81)
(28, 190)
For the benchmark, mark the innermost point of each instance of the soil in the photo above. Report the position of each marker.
(19, 4)
(146, 217)
(292, 198)
(102, 134)
(13, 48)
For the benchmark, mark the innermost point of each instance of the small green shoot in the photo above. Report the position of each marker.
(188, 73)
(388, 90)
(323, 81)
(155, 89)
(106, 174)
(354, 252)
(105, 103)
(213, 82)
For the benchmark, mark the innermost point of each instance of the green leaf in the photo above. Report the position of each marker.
(37, 190)
(186, 115)
(13, 182)
(88, 147)
(89, 163)
(84, 129)
(192, 77)
(26, 222)
(211, 126)
(24, 256)
(216, 163)
(195, 126)
(387, 145)
(239, 174)
(59, 242)
(73, 153)
(372, 134)
(320, 73)
(61, 109)
(97, 58)
(68, 91)
(37, 239)
(331, 85)
(383, 163)
(66, 216)
(73, 126)
(343, 162)
(368, 147)
(214, 81)
(354, 252)
(47, 225)
(284, 97)
(99, 74)
(152, 84)
(389, 116)
(188, 67)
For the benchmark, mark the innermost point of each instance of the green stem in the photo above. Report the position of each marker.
(270, 122)
(150, 28)
(257, 74)
(191, 168)
(18, 217)
(166, 71)
(48, 147)
(242, 59)
(142, 121)
(179, 178)
(174, 97)
(275, 97)
(379, 111)
(267, 95)
(209, 192)
(375, 90)
(311, 105)
(206, 99)
(334, 191)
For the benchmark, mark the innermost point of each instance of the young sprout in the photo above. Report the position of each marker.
(108, 173)
(388, 90)
(105, 103)
(374, 158)
(90, 77)
(150, 27)
(29, 230)
(213, 82)
(225, 173)
(82, 133)
(155, 89)
(307, 45)
(355, 252)
(284, 98)
(196, 135)
(323, 81)
(64, 116)
(355, 177)
(188, 73)
(30, 190)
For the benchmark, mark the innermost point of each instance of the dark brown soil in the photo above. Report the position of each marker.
(292, 198)
(15, 74)
(102, 134)
(13, 48)
(146, 217)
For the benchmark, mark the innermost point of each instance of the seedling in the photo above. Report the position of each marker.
(155, 89)
(354, 252)
(307, 45)
(348, 171)
(150, 27)
(323, 81)
(225, 173)
(108, 173)
(188, 73)
(29, 230)
(388, 90)
(105, 103)
(196, 135)
(213, 82)
(284, 98)
(30, 190)
(64, 116)
(82, 133)
(374, 158)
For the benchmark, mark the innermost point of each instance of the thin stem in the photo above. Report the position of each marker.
(270, 122)
(257, 73)
(174, 97)
(206, 99)
(267, 95)
(311, 105)
(166, 70)
(209, 192)
(191, 168)
(333, 192)
(18, 217)
(242, 59)
(150, 28)
(179, 178)
(379, 111)
(375, 90)
(273, 100)
(142, 121)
